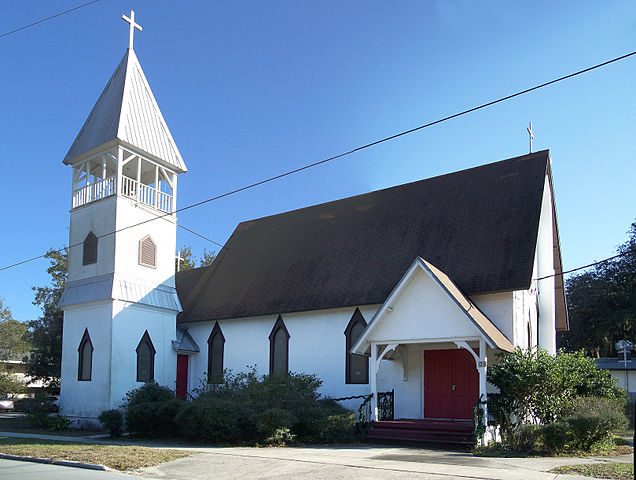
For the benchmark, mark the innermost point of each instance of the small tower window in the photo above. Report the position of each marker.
(90, 249)
(216, 344)
(147, 252)
(145, 359)
(357, 366)
(85, 361)
(279, 348)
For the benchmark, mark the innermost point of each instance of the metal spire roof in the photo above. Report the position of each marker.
(127, 110)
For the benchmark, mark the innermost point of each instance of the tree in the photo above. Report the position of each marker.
(14, 339)
(46, 332)
(602, 304)
(208, 258)
(188, 261)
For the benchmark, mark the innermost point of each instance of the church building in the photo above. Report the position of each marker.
(412, 289)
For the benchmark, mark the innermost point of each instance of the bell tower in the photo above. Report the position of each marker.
(120, 302)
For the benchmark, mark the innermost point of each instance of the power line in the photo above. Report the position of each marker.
(48, 18)
(626, 252)
(349, 152)
(200, 236)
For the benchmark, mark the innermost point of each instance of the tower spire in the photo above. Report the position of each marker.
(133, 25)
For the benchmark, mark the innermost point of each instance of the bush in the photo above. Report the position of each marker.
(556, 436)
(154, 419)
(594, 420)
(272, 409)
(534, 385)
(113, 421)
(148, 392)
(527, 436)
(212, 420)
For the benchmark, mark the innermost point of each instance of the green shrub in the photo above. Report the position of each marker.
(271, 420)
(213, 420)
(59, 422)
(555, 436)
(526, 437)
(148, 392)
(154, 419)
(594, 420)
(113, 421)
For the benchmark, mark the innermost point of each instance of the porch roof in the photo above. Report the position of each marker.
(491, 334)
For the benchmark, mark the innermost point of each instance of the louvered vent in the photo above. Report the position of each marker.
(147, 252)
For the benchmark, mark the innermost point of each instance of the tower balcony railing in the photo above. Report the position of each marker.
(95, 191)
(130, 188)
(146, 194)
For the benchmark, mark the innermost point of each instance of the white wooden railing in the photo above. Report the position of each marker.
(129, 188)
(94, 191)
(146, 194)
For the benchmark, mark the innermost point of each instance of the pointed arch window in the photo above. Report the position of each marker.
(147, 252)
(279, 348)
(145, 359)
(216, 345)
(89, 253)
(357, 366)
(85, 358)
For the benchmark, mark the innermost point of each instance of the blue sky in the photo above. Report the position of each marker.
(251, 89)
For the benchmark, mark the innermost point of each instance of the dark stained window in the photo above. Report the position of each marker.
(85, 358)
(145, 359)
(89, 254)
(357, 366)
(147, 252)
(216, 343)
(279, 348)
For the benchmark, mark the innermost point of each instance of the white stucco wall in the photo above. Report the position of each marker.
(130, 321)
(86, 399)
(544, 262)
(317, 345)
(499, 308)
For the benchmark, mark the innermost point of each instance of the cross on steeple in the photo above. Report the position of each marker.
(133, 25)
(529, 129)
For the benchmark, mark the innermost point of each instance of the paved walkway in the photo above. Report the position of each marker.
(346, 462)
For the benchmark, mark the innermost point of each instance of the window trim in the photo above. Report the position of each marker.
(140, 258)
(356, 318)
(93, 239)
(215, 331)
(279, 325)
(145, 339)
(86, 339)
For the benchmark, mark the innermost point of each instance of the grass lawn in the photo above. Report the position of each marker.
(113, 456)
(617, 471)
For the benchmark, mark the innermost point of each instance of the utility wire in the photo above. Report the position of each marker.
(48, 18)
(200, 236)
(626, 252)
(349, 152)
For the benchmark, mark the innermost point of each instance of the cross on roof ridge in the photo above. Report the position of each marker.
(133, 25)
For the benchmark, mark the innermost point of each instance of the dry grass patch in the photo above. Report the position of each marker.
(615, 471)
(117, 457)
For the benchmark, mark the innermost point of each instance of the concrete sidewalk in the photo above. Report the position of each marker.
(346, 462)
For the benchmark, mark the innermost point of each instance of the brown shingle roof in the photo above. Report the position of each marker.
(479, 226)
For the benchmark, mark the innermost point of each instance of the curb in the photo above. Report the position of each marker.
(64, 463)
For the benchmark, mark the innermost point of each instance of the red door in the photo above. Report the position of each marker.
(182, 376)
(451, 384)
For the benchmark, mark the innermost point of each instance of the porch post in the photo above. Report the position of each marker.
(373, 381)
(482, 367)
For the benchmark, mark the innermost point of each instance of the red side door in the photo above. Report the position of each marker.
(451, 384)
(182, 376)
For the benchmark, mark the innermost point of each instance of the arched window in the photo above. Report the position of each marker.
(216, 343)
(147, 252)
(279, 348)
(357, 366)
(89, 254)
(145, 359)
(85, 358)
